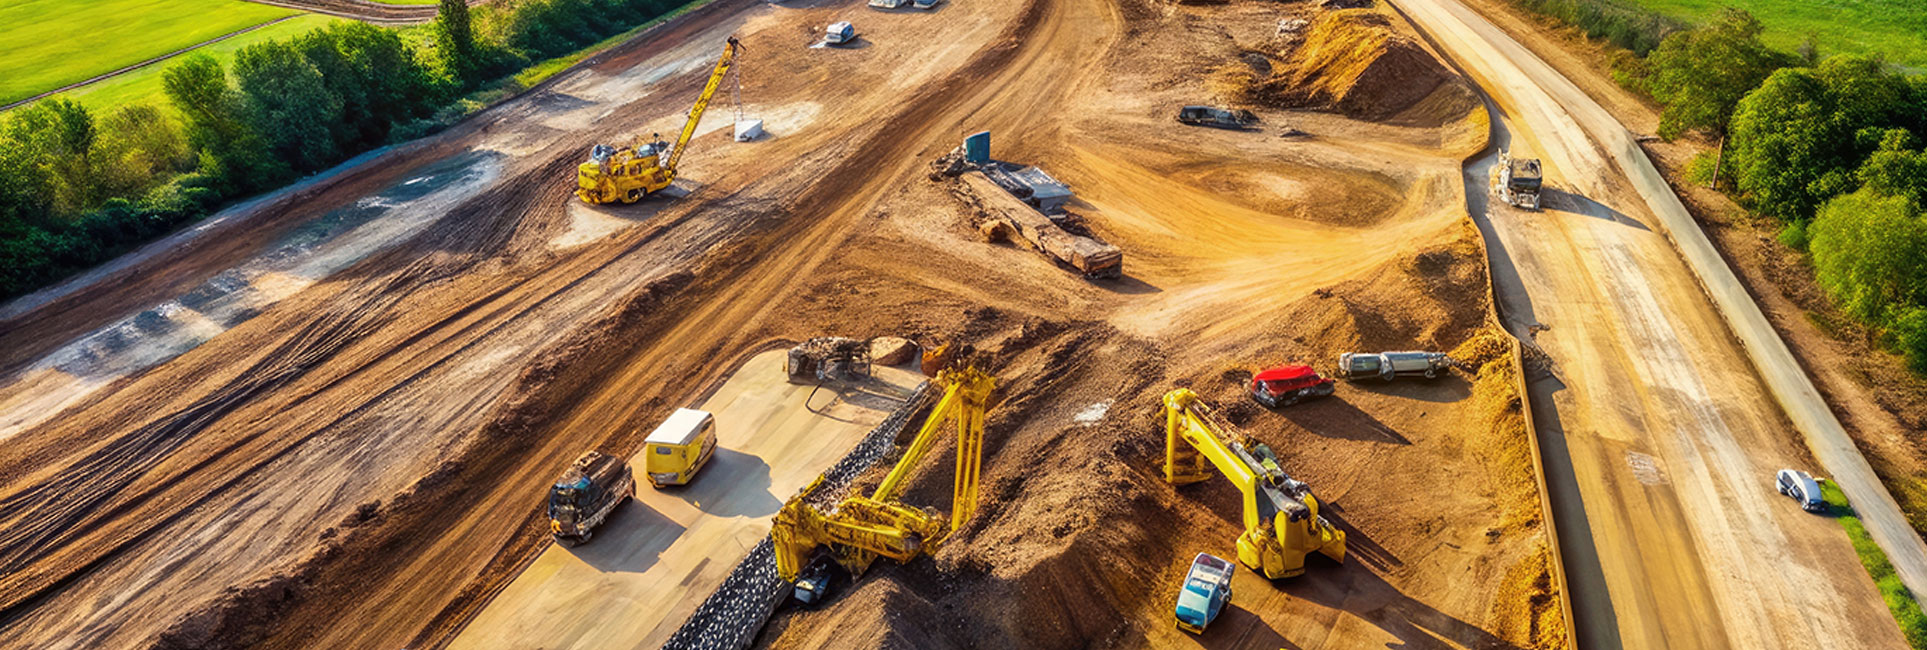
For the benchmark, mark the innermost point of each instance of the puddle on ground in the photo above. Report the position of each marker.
(306, 255)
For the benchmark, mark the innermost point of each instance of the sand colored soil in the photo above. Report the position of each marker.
(1364, 64)
(363, 457)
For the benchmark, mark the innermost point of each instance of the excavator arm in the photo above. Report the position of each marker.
(860, 529)
(723, 64)
(1281, 519)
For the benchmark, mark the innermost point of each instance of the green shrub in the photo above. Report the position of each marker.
(1794, 235)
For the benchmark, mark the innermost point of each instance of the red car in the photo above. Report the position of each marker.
(1288, 385)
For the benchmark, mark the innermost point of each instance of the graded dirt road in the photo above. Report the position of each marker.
(617, 591)
(1671, 436)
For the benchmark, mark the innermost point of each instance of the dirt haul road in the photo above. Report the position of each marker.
(1671, 436)
(770, 443)
(250, 415)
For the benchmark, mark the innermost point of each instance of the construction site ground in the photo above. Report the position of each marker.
(328, 418)
(772, 438)
(1663, 439)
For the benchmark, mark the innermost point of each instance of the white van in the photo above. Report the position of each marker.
(679, 447)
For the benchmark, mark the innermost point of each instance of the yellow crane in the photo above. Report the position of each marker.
(1281, 518)
(861, 528)
(630, 173)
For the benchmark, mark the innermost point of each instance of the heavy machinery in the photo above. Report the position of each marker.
(587, 492)
(630, 173)
(855, 532)
(1391, 365)
(1288, 385)
(1518, 181)
(828, 359)
(1221, 118)
(1281, 519)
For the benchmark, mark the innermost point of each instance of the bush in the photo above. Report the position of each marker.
(1910, 338)
(1794, 236)
(1627, 26)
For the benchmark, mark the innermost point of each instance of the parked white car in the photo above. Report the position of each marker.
(1801, 486)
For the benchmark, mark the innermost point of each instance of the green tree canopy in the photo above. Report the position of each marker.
(1701, 74)
(1897, 168)
(288, 103)
(1870, 254)
(1784, 138)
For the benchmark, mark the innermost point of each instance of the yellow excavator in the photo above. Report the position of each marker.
(860, 529)
(630, 173)
(1281, 518)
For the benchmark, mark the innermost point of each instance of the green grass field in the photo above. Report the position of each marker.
(1896, 28)
(144, 85)
(1900, 601)
(52, 43)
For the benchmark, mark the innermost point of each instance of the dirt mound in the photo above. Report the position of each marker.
(1432, 300)
(1355, 62)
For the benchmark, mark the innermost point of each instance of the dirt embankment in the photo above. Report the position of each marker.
(1361, 63)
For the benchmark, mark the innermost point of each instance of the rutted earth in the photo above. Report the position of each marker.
(328, 420)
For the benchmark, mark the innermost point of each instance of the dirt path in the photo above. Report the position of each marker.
(1674, 468)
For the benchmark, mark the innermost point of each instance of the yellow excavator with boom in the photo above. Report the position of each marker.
(1281, 518)
(860, 529)
(630, 173)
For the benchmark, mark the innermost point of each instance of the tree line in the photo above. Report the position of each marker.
(1831, 148)
(77, 188)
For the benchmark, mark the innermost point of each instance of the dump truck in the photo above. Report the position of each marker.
(1288, 385)
(1221, 118)
(1391, 365)
(1518, 181)
(586, 493)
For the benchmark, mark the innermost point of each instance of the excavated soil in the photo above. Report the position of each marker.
(1364, 63)
(358, 461)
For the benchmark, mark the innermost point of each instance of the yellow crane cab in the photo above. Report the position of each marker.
(626, 174)
(679, 447)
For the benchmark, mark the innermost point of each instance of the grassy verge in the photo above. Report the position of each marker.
(1895, 28)
(52, 43)
(1900, 601)
(144, 85)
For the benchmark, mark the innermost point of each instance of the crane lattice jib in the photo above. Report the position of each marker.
(702, 103)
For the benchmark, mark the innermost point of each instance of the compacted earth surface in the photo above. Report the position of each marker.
(328, 418)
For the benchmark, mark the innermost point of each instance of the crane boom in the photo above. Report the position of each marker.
(1281, 519)
(862, 528)
(723, 64)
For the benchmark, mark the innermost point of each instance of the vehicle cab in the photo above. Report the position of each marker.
(1207, 587)
(679, 447)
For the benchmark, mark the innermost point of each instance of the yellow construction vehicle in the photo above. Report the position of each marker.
(630, 173)
(860, 529)
(1281, 518)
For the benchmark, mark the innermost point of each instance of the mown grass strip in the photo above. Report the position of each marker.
(1900, 601)
(53, 43)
